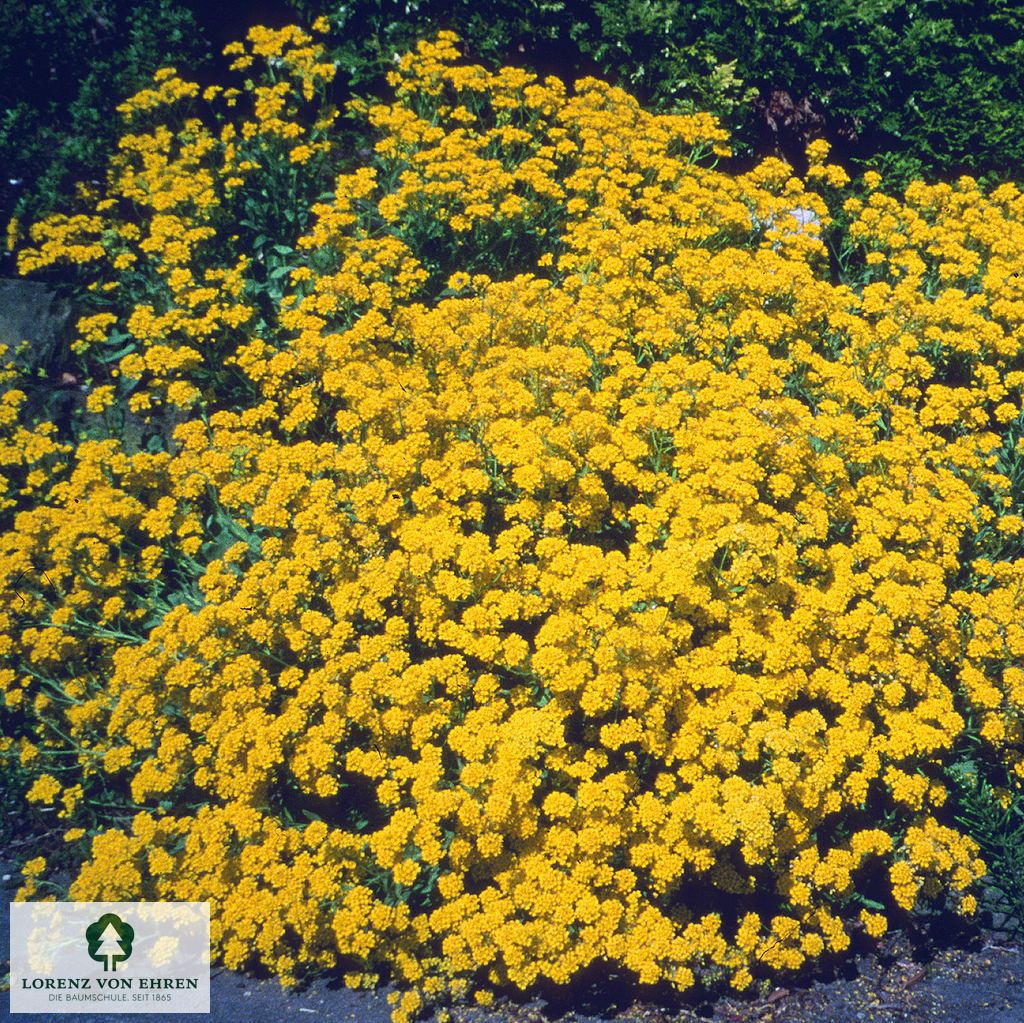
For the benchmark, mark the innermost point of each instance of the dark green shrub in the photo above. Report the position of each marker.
(911, 87)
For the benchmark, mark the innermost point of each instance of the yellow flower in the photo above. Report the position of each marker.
(44, 789)
(34, 867)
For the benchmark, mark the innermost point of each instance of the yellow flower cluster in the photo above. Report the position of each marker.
(534, 617)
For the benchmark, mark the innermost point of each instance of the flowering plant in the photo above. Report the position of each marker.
(556, 567)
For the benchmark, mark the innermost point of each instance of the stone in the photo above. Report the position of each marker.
(33, 312)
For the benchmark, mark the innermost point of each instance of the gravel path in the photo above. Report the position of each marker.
(981, 985)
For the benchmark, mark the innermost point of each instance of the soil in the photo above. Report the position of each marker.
(893, 985)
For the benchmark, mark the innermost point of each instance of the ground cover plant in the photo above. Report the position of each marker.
(525, 554)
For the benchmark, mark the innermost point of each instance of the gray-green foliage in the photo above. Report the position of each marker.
(994, 817)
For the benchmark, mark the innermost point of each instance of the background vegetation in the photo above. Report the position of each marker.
(925, 87)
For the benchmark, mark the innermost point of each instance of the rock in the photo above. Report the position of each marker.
(804, 217)
(30, 311)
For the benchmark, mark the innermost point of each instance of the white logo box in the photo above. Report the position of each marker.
(112, 957)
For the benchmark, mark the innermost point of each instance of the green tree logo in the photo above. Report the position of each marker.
(110, 940)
